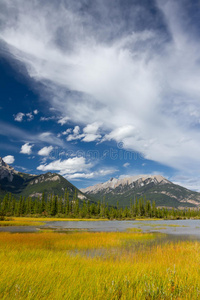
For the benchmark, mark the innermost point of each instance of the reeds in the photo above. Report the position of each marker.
(31, 221)
(63, 266)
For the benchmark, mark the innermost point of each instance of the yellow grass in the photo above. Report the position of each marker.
(25, 221)
(53, 219)
(54, 266)
(148, 219)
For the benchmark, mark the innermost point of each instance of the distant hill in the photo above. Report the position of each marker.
(19, 183)
(153, 187)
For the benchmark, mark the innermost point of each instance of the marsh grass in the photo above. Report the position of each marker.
(43, 219)
(159, 225)
(26, 221)
(20, 222)
(40, 266)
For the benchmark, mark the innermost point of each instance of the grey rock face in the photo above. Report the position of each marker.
(6, 171)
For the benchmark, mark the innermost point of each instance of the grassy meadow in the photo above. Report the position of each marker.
(86, 265)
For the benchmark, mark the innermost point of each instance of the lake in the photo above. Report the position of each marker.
(178, 228)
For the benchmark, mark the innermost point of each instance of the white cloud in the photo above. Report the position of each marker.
(80, 175)
(49, 138)
(191, 183)
(90, 133)
(47, 118)
(19, 117)
(91, 137)
(143, 86)
(63, 121)
(9, 159)
(72, 137)
(90, 175)
(68, 166)
(26, 148)
(126, 165)
(45, 151)
(30, 117)
(35, 112)
(75, 135)
(69, 130)
(91, 128)
(120, 133)
(76, 130)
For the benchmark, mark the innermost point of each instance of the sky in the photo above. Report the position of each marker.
(95, 89)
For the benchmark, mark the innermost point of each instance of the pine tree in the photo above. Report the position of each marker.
(4, 208)
(43, 204)
(60, 205)
(54, 208)
(67, 204)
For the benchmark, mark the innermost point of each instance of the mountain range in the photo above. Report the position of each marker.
(19, 183)
(152, 187)
(122, 191)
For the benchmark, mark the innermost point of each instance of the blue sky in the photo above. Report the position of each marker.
(100, 89)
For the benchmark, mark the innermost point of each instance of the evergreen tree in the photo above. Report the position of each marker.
(43, 204)
(54, 208)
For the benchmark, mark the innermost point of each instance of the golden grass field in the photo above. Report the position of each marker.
(86, 265)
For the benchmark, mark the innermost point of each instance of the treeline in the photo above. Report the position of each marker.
(63, 206)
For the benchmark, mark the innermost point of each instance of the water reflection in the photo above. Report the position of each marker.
(176, 227)
(133, 246)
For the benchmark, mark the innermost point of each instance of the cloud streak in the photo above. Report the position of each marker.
(14, 132)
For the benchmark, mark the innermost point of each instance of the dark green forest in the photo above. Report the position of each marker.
(65, 206)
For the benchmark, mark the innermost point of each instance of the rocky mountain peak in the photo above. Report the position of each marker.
(127, 182)
(6, 171)
(153, 187)
(2, 163)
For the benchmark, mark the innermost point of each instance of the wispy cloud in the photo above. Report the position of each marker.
(47, 118)
(14, 132)
(89, 175)
(126, 165)
(30, 116)
(63, 120)
(100, 64)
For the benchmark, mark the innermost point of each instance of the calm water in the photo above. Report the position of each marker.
(176, 228)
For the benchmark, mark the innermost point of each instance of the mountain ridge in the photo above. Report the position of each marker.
(114, 182)
(25, 184)
(153, 187)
